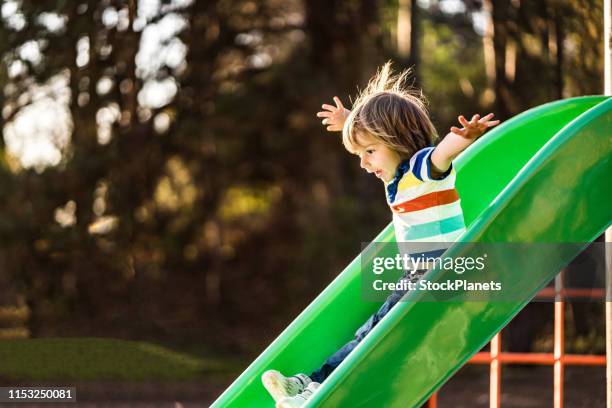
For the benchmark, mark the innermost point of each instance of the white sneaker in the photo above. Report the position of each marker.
(300, 399)
(280, 386)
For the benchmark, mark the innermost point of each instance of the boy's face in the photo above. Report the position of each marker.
(377, 158)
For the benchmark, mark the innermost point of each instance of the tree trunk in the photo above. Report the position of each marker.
(559, 39)
(501, 16)
(408, 35)
(404, 29)
(488, 96)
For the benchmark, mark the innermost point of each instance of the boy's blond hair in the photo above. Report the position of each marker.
(391, 112)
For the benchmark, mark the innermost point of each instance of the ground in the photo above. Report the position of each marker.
(525, 387)
(522, 387)
(149, 375)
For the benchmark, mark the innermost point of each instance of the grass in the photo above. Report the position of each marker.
(102, 359)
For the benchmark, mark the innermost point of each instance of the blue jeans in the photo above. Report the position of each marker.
(334, 361)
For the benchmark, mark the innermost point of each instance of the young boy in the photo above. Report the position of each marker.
(390, 131)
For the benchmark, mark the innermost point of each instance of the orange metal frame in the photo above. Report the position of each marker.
(558, 359)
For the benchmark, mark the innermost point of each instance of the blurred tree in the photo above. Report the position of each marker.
(538, 47)
(163, 174)
(186, 165)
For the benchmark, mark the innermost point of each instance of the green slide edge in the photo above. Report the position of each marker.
(401, 363)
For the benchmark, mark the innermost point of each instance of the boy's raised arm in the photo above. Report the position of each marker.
(459, 139)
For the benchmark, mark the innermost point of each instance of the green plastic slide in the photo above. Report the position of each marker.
(542, 177)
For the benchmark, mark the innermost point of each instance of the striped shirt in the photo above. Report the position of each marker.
(425, 210)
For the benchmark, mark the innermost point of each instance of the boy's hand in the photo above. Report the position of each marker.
(335, 116)
(475, 127)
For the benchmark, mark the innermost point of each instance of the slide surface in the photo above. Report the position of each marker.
(541, 177)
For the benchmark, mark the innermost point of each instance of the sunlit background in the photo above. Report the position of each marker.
(166, 186)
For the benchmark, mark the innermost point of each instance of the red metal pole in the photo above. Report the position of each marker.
(495, 372)
(433, 401)
(540, 359)
(559, 342)
(595, 293)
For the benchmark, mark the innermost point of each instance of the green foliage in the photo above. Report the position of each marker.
(452, 73)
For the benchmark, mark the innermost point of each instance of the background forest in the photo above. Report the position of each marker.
(163, 176)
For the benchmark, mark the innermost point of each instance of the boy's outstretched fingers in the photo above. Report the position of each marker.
(475, 127)
(338, 102)
(327, 114)
(486, 120)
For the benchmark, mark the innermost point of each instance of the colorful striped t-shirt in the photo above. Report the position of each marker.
(425, 210)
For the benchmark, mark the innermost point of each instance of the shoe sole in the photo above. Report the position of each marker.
(272, 385)
(286, 404)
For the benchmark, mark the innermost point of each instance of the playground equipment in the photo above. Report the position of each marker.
(536, 178)
(496, 358)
